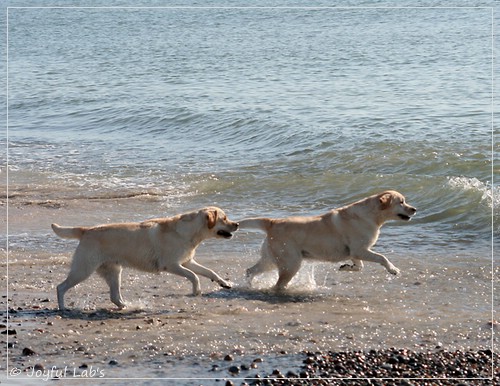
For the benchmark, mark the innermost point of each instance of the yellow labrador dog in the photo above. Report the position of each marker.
(345, 233)
(163, 244)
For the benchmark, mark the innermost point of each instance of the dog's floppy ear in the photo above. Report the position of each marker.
(212, 218)
(385, 200)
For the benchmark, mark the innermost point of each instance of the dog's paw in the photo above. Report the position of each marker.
(393, 270)
(226, 284)
(349, 268)
(345, 267)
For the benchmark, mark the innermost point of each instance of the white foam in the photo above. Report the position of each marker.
(489, 195)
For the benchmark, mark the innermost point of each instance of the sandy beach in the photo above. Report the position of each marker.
(232, 334)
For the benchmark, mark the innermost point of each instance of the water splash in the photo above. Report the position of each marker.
(472, 185)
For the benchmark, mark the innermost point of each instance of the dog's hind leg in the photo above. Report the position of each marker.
(112, 274)
(81, 268)
(265, 264)
(288, 268)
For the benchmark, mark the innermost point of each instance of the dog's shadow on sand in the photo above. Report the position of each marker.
(77, 314)
(236, 293)
(265, 295)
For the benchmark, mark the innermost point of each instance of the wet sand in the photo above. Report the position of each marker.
(234, 334)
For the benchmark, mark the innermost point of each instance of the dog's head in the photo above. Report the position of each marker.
(218, 223)
(394, 207)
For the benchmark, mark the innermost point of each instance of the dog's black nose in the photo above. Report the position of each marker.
(413, 210)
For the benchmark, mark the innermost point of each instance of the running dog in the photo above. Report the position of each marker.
(163, 244)
(341, 234)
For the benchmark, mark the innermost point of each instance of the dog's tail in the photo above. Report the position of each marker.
(261, 223)
(68, 232)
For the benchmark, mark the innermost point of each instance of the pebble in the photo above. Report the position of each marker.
(391, 364)
(28, 352)
(234, 370)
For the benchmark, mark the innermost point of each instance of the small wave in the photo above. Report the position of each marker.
(475, 186)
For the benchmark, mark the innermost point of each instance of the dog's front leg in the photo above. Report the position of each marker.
(112, 274)
(378, 258)
(188, 274)
(204, 271)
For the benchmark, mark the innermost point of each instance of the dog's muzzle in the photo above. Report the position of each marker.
(407, 217)
(225, 234)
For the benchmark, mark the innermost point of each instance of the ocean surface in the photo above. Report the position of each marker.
(123, 114)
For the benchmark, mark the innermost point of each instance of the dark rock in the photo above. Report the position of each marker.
(27, 351)
(234, 370)
(228, 357)
(113, 362)
(340, 369)
(402, 359)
